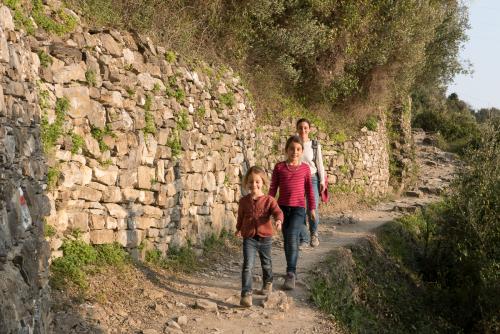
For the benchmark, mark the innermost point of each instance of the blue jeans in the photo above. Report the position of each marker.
(251, 246)
(292, 225)
(313, 224)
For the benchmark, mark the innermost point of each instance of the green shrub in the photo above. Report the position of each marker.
(45, 59)
(371, 123)
(156, 88)
(150, 126)
(200, 113)
(50, 133)
(90, 76)
(80, 258)
(181, 259)
(183, 120)
(174, 142)
(49, 231)
(228, 99)
(53, 174)
(99, 134)
(65, 22)
(170, 57)
(77, 143)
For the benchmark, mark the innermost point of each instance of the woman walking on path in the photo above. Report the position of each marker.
(313, 157)
(293, 178)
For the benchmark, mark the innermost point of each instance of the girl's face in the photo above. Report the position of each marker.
(294, 152)
(255, 184)
(303, 129)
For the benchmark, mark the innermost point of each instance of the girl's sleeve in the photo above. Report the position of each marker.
(309, 189)
(320, 166)
(239, 220)
(273, 189)
(276, 211)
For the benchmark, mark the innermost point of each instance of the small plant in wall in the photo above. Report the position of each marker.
(174, 142)
(45, 58)
(50, 133)
(170, 57)
(77, 143)
(90, 76)
(150, 126)
(53, 174)
(183, 120)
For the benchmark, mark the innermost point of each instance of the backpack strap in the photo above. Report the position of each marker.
(315, 152)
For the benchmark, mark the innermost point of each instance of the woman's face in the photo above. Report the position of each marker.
(294, 152)
(303, 130)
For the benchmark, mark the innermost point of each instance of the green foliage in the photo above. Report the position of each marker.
(45, 59)
(369, 291)
(183, 120)
(99, 134)
(174, 142)
(77, 143)
(325, 54)
(371, 123)
(111, 255)
(200, 113)
(64, 24)
(70, 267)
(90, 76)
(227, 99)
(170, 57)
(130, 91)
(51, 132)
(79, 258)
(179, 94)
(129, 67)
(53, 174)
(43, 99)
(156, 88)
(150, 126)
(339, 137)
(451, 118)
(181, 259)
(20, 19)
(49, 231)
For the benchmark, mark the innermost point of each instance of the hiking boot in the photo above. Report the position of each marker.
(314, 240)
(289, 281)
(303, 245)
(267, 288)
(246, 300)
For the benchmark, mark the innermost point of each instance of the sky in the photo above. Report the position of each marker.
(482, 89)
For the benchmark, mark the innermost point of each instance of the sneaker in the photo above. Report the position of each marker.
(303, 245)
(289, 281)
(267, 288)
(314, 240)
(246, 300)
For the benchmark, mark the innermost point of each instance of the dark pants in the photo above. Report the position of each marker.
(292, 225)
(250, 247)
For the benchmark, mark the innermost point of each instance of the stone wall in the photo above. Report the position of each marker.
(359, 164)
(24, 292)
(151, 150)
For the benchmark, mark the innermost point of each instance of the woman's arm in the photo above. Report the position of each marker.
(321, 169)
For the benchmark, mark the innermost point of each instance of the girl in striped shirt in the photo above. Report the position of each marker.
(293, 179)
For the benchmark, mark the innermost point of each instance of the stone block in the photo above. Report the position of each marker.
(100, 237)
(116, 210)
(145, 177)
(107, 176)
(112, 194)
(79, 100)
(130, 238)
(97, 222)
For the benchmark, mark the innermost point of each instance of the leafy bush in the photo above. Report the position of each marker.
(321, 53)
(50, 133)
(80, 258)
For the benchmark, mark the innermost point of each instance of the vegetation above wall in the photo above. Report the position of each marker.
(337, 60)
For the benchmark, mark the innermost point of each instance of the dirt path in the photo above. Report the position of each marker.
(155, 302)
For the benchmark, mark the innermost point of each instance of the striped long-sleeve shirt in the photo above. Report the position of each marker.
(293, 183)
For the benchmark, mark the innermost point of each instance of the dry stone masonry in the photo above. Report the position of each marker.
(24, 254)
(359, 164)
(109, 136)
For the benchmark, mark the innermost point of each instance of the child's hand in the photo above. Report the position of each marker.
(237, 234)
(279, 223)
(313, 214)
